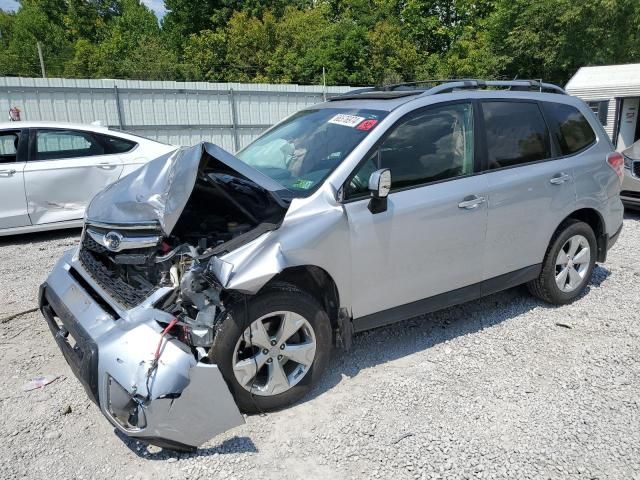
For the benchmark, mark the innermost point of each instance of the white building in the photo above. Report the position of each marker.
(613, 93)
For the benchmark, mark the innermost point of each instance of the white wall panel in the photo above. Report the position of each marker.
(180, 113)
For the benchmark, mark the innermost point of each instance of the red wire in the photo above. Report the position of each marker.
(172, 323)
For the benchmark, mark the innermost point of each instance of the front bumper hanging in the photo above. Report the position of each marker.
(180, 405)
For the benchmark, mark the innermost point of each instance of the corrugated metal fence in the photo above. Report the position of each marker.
(181, 113)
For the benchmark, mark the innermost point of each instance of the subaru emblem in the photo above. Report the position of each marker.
(112, 241)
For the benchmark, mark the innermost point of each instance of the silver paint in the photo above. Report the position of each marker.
(156, 192)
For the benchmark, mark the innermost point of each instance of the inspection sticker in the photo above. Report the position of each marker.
(303, 184)
(346, 120)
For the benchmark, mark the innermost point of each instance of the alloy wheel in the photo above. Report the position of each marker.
(572, 263)
(274, 353)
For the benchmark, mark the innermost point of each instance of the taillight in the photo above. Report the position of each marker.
(616, 161)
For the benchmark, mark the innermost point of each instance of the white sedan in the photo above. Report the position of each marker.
(49, 172)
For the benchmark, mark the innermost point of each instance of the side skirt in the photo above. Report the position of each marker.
(448, 299)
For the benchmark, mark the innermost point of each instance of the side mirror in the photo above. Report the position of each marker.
(379, 186)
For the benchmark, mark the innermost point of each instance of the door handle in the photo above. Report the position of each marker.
(559, 178)
(7, 173)
(471, 202)
(106, 166)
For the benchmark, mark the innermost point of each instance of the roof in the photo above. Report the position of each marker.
(605, 76)
(75, 126)
(33, 124)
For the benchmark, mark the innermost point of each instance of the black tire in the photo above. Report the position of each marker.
(280, 297)
(545, 287)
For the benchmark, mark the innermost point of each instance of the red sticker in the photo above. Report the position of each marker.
(367, 125)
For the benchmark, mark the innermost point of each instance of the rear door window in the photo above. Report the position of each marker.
(9, 146)
(59, 144)
(571, 128)
(516, 133)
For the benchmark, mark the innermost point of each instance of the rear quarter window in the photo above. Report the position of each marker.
(571, 128)
(116, 145)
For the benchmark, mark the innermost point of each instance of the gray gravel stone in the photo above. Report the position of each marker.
(497, 388)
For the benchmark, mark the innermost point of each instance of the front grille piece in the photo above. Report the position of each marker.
(91, 256)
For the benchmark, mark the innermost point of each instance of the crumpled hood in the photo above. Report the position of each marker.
(159, 191)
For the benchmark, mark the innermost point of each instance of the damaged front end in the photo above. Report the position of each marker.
(134, 309)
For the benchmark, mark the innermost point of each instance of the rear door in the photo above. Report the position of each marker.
(13, 202)
(531, 185)
(66, 169)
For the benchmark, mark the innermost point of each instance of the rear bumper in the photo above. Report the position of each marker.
(180, 404)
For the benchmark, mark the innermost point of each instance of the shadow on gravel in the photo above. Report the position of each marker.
(232, 445)
(398, 340)
(631, 214)
(39, 237)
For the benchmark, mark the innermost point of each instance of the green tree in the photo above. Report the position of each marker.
(87, 19)
(205, 57)
(435, 24)
(250, 43)
(36, 21)
(6, 28)
(132, 47)
(550, 39)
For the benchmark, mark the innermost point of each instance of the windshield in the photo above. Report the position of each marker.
(302, 151)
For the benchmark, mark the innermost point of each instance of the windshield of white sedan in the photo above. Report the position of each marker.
(303, 150)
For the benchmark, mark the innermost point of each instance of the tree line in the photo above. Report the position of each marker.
(356, 42)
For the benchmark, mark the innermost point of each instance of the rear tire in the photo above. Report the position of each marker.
(263, 369)
(568, 264)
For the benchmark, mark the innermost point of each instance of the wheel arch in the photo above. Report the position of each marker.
(594, 219)
(317, 282)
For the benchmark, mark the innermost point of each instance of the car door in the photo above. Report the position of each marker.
(430, 238)
(13, 202)
(531, 189)
(66, 168)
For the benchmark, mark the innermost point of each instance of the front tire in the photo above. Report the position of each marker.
(568, 264)
(272, 348)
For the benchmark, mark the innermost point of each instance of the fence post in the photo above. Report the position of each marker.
(234, 120)
(118, 111)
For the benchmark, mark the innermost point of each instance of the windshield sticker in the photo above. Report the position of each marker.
(303, 184)
(346, 120)
(367, 125)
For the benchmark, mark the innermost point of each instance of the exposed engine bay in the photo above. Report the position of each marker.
(223, 211)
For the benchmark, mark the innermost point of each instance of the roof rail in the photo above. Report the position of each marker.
(449, 85)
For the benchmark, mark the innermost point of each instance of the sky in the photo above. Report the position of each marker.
(8, 4)
(156, 5)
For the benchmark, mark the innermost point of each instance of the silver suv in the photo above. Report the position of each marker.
(206, 284)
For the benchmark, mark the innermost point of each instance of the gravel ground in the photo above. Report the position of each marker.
(505, 387)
